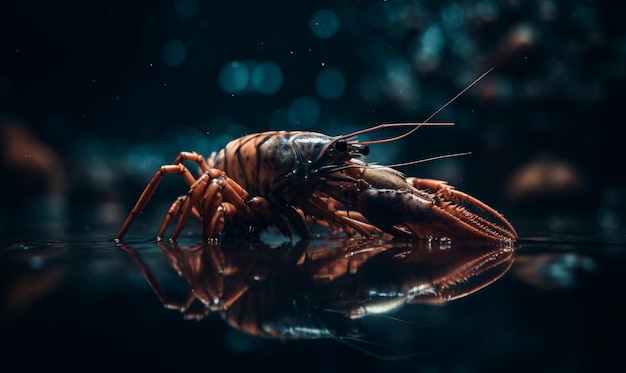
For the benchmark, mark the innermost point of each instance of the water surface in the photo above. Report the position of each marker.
(551, 303)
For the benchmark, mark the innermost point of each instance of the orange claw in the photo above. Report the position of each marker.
(433, 210)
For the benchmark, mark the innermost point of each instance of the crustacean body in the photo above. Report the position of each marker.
(272, 178)
(289, 179)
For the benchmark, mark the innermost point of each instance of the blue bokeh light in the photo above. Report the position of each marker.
(330, 83)
(428, 48)
(433, 40)
(266, 78)
(234, 77)
(370, 89)
(173, 53)
(400, 84)
(452, 17)
(381, 14)
(250, 77)
(186, 9)
(304, 112)
(324, 23)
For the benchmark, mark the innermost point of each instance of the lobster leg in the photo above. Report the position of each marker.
(206, 194)
(215, 197)
(211, 198)
(172, 213)
(323, 208)
(176, 167)
(149, 191)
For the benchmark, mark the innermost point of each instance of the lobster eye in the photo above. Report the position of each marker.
(365, 150)
(341, 146)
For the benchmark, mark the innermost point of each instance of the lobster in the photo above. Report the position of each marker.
(290, 178)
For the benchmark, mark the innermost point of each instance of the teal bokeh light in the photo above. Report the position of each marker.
(234, 77)
(250, 77)
(266, 78)
(324, 23)
(304, 112)
(186, 9)
(173, 53)
(330, 83)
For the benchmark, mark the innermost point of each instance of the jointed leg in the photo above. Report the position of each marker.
(193, 157)
(197, 192)
(149, 191)
(172, 213)
(324, 208)
(212, 198)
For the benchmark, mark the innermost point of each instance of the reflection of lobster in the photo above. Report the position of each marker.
(292, 291)
(275, 177)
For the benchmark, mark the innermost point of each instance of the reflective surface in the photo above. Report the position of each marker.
(552, 303)
(288, 291)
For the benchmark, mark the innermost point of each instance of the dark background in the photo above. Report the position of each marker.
(117, 88)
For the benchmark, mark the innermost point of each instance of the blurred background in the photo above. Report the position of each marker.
(94, 96)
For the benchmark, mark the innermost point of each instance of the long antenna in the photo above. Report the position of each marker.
(410, 163)
(391, 125)
(417, 125)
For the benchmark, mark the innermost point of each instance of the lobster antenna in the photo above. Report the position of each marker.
(391, 125)
(418, 161)
(416, 125)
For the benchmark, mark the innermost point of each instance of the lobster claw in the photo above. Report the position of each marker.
(433, 209)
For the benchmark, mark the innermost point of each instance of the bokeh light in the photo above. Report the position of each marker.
(173, 53)
(381, 14)
(370, 89)
(250, 77)
(235, 77)
(186, 9)
(400, 84)
(431, 43)
(324, 23)
(266, 78)
(304, 112)
(452, 17)
(330, 83)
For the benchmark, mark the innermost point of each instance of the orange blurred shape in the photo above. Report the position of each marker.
(32, 168)
(546, 179)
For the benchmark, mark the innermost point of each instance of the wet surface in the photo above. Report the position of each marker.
(551, 303)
